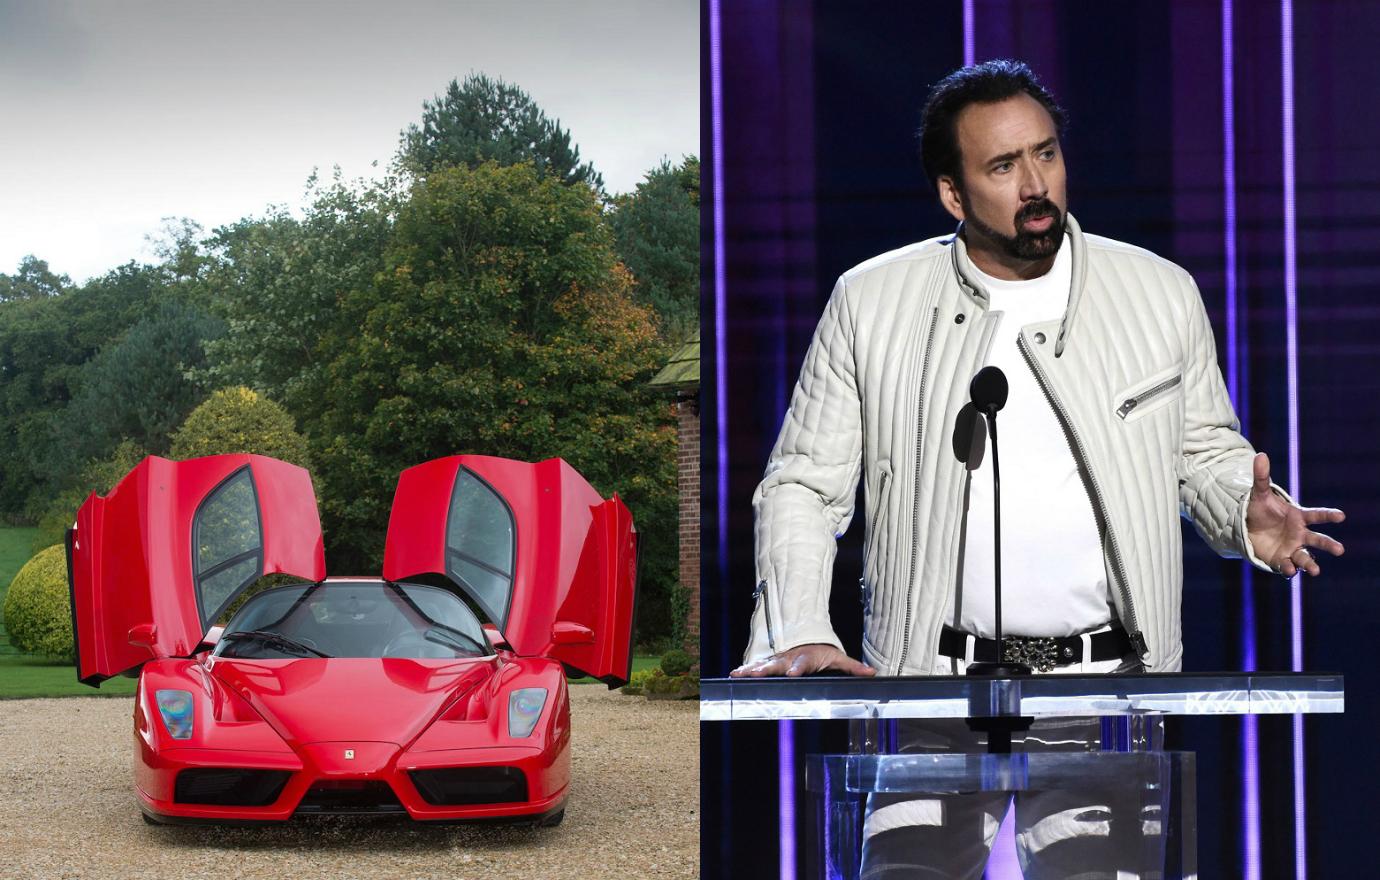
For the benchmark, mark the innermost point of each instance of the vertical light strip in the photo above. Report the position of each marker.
(716, 122)
(1229, 210)
(969, 44)
(785, 762)
(1250, 752)
(1286, 17)
(716, 139)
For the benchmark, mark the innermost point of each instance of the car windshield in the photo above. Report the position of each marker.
(354, 619)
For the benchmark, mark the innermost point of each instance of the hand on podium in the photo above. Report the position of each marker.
(803, 660)
(1279, 531)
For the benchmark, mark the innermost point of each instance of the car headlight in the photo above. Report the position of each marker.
(176, 709)
(524, 708)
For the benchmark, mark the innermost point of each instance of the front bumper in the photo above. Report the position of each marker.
(375, 779)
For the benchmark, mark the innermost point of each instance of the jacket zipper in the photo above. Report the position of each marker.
(1094, 494)
(1132, 402)
(915, 504)
(760, 594)
(872, 539)
(876, 515)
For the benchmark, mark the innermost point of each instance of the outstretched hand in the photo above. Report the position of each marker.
(803, 660)
(1279, 531)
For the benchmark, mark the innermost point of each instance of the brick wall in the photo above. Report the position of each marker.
(688, 470)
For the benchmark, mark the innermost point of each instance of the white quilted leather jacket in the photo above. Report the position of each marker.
(1131, 371)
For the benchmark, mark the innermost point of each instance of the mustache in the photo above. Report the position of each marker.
(1036, 210)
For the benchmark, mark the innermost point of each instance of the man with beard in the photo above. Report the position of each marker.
(1117, 419)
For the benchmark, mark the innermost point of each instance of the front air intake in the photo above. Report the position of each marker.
(229, 787)
(471, 786)
(349, 797)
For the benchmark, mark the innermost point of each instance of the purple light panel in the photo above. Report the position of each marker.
(1250, 750)
(1286, 52)
(969, 43)
(785, 762)
(716, 111)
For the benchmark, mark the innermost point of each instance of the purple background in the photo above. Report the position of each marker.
(820, 101)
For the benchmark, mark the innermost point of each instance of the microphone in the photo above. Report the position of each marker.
(988, 391)
(970, 437)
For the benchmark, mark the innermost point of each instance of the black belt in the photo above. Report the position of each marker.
(1040, 653)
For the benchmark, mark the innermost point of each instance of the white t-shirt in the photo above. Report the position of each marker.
(1054, 581)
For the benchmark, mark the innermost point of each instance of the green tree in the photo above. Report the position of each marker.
(44, 343)
(656, 231)
(485, 119)
(503, 325)
(136, 388)
(178, 243)
(32, 280)
(292, 292)
(235, 420)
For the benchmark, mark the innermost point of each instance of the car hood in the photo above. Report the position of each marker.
(360, 699)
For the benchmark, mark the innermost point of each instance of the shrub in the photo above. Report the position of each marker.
(240, 420)
(637, 685)
(655, 683)
(676, 662)
(38, 606)
(661, 683)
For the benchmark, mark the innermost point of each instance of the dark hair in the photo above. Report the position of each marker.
(985, 83)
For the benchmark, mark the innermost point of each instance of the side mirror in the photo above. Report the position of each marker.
(142, 635)
(564, 632)
(210, 640)
(495, 637)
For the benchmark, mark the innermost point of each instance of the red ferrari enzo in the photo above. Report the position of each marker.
(437, 691)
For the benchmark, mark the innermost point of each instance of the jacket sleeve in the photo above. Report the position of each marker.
(805, 500)
(1215, 468)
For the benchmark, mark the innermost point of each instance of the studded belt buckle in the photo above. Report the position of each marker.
(1040, 654)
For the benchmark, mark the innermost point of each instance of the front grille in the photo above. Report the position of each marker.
(350, 796)
(464, 786)
(228, 787)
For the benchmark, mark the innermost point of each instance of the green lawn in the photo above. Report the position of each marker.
(15, 547)
(22, 675)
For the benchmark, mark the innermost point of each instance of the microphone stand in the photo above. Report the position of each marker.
(999, 668)
(1005, 718)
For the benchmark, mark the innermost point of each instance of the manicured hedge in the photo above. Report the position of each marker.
(240, 420)
(38, 606)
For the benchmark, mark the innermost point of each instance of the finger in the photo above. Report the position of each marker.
(1322, 514)
(857, 668)
(1304, 561)
(802, 665)
(1319, 541)
(1260, 472)
(769, 666)
(1287, 568)
(844, 663)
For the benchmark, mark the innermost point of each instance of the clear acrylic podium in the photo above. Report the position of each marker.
(1124, 753)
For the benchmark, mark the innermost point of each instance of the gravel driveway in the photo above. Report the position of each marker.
(68, 808)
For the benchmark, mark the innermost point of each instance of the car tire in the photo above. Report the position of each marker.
(552, 820)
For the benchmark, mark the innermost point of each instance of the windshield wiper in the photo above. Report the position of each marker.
(452, 638)
(273, 639)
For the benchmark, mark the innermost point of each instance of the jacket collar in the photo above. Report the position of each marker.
(1073, 234)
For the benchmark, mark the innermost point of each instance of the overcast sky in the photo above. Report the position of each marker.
(116, 114)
